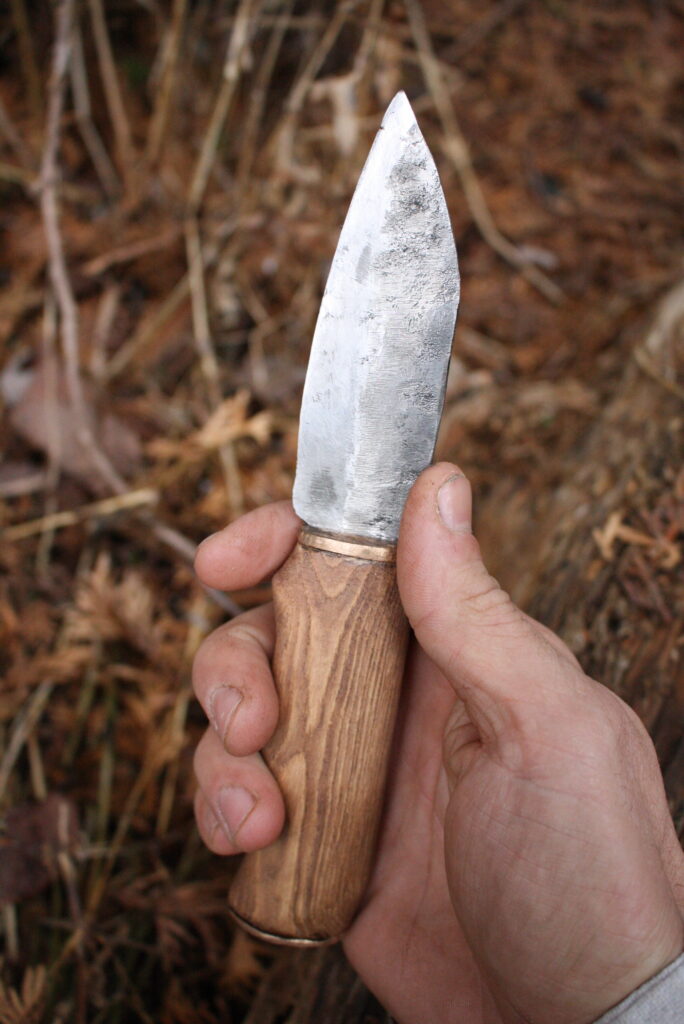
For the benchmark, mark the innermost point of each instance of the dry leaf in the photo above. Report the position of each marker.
(43, 417)
(24, 1006)
(34, 834)
(228, 422)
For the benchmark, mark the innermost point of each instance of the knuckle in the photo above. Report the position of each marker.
(201, 756)
(204, 658)
(487, 602)
(222, 646)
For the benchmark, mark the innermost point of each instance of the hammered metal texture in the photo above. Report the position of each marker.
(375, 384)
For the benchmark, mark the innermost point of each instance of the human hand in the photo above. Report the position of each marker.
(528, 870)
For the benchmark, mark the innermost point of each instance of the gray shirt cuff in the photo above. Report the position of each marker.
(658, 1001)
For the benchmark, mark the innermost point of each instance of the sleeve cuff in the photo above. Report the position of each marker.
(658, 1001)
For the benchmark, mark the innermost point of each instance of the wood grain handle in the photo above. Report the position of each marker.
(339, 657)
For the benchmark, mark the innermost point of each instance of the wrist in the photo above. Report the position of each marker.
(661, 998)
(658, 958)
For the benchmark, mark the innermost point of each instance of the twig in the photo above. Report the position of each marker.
(69, 878)
(10, 931)
(232, 69)
(28, 60)
(89, 133)
(16, 175)
(51, 401)
(172, 772)
(148, 329)
(131, 251)
(156, 758)
(107, 309)
(14, 139)
(258, 96)
(208, 361)
(294, 102)
(59, 276)
(657, 355)
(23, 484)
(257, 357)
(478, 32)
(27, 179)
(66, 302)
(301, 87)
(110, 81)
(153, 323)
(36, 767)
(643, 361)
(456, 149)
(107, 760)
(23, 727)
(200, 313)
(342, 91)
(86, 695)
(162, 106)
(94, 510)
(186, 548)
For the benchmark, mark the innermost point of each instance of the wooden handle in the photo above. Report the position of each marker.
(339, 657)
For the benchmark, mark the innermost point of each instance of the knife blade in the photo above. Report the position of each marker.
(370, 413)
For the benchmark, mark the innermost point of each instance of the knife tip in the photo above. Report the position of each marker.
(399, 113)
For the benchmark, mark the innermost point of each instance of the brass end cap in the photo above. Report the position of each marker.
(279, 940)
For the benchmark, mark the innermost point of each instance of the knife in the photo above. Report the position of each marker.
(370, 412)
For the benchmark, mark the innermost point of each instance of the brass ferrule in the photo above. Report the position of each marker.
(278, 940)
(352, 547)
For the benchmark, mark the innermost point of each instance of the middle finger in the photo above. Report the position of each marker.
(232, 679)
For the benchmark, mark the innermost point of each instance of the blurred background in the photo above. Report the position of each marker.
(173, 176)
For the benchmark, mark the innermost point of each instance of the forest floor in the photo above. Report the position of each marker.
(173, 178)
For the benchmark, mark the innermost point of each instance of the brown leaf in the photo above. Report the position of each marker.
(24, 1006)
(44, 418)
(34, 834)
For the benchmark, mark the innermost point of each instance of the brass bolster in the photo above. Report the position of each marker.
(362, 549)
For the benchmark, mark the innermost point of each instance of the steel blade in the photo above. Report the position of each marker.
(375, 383)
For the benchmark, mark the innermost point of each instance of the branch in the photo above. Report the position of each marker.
(59, 277)
(110, 82)
(232, 69)
(170, 52)
(457, 150)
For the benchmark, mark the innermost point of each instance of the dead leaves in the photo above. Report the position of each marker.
(42, 415)
(665, 552)
(229, 422)
(662, 531)
(99, 645)
(113, 606)
(24, 1005)
(643, 556)
(182, 913)
(33, 837)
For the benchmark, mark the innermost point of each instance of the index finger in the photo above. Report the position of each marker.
(248, 550)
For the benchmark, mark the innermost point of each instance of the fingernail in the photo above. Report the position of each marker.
(222, 704)
(205, 541)
(235, 804)
(454, 504)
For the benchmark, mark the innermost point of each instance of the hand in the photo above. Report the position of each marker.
(528, 869)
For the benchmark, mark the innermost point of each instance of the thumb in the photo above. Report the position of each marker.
(500, 663)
